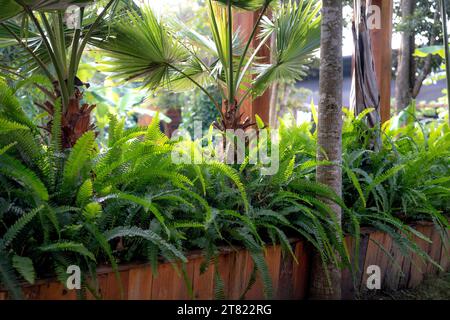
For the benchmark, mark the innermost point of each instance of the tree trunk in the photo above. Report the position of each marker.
(365, 92)
(427, 66)
(405, 70)
(329, 134)
(273, 104)
(75, 121)
(273, 118)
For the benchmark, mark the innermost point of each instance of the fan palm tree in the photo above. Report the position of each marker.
(142, 46)
(48, 47)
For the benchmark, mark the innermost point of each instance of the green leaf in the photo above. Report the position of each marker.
(141, 48)
(7, 126)
(146, 234)
(92, 211)
(259, 122)
(356, 184)
(425, 51)
(6, 148)
(14, 230)
(24, 266)
(9, 9)
(79, 156)
(297, 34)
(27, 178)
(8, 278)
(146, 204)
(68, 246)
(85, 193)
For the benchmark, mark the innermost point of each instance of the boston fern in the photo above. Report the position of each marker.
(51, 205)
(127, 200)
(405, 181)
(274, 208)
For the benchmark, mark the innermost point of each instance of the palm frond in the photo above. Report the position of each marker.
(297, 32)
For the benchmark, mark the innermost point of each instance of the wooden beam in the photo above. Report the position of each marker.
(382, 51)
(244, 22)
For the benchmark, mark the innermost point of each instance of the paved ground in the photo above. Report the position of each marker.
(430, 289)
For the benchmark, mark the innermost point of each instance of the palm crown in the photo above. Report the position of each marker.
(167, 53)
(46, 46)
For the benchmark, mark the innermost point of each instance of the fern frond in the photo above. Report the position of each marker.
(146, 204)
(24, 267)
(146, 234)
(7, 147)
(80, 154)
(7, 126)
(233, 176)
(10, 107)
(11, 167)
(14, 230)
(8, 277)
(85, 193)
(68, 246)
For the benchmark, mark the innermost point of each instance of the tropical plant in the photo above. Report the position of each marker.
(403, 182)
(390, 189)
(130, 201)
(49, 47)
(198, 108)
(54, 206)
(171, 55)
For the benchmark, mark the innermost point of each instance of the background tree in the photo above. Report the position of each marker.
(326, 279)
(419, 25)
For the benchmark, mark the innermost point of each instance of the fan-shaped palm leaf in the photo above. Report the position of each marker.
(297, 32)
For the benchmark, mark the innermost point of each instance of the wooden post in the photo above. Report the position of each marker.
(382, 51)
(244, 22)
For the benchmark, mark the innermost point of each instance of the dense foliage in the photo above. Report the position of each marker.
(129, 201)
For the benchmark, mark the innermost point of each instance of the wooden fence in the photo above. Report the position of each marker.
(289, 278)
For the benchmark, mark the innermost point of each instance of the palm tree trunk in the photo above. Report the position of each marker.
(405, 69)
(75, 121)
(329, 135)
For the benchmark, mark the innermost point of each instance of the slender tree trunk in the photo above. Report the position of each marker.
(273, 112)
(428, 61)
(405, 70)
(329, 134)
(273, 106)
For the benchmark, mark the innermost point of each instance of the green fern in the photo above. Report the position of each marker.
(17, 227)
(13, 168)
(68, 246)
(8, 277)
(7, 126)
(146, 234)
(78, 158)
(85, 193)
(24, 267)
